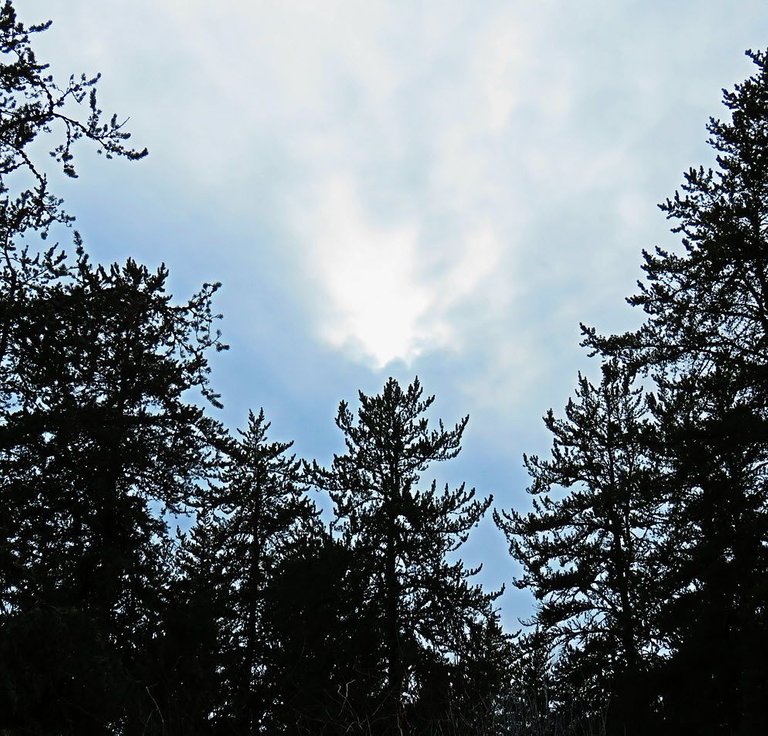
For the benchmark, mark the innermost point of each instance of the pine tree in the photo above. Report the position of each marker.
(184, 661)
(35, 110)
(321, 646)
(710, 302)
(32, 107)
(98, 437)
(419, 602)
(268, 515)
(589, 550)
(703, 341)
(103, 379)
(256, 520)
(715, 567)
(61, 612)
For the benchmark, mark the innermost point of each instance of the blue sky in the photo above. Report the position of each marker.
(396, 188)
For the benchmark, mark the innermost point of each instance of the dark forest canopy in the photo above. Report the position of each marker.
(646, 547)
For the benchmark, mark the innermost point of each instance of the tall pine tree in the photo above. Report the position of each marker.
(268, 517)
(99, 435)
(419, 599)
(589, 551)
(704, 341)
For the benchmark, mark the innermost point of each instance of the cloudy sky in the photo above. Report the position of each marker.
(397, 188)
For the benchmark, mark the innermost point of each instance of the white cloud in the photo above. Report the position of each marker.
(379, 303)
(373, 299)
(442, 175)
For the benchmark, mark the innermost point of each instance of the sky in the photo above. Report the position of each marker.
(442, 189)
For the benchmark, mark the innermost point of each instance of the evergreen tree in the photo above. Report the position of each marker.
(255, 520)
(589, 551)
(80, 546)
(322, 642)
(716, 678)
(419, 603)
(469, 692)
(96, 439)
(33, 108)
(709, 303)
(184, 661)
(268, 515)
(704, 340)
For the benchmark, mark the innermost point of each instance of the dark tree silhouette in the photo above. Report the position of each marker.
(323, 644)
(716, 679)
(269, 514)
(704, 341)
(260, 515)
(418, 602)
(34, 108)
(590, 551)
(182, 663)
(97, 437)
(78, 540)
(709, 303)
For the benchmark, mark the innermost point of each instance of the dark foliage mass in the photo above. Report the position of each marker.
(646, 546)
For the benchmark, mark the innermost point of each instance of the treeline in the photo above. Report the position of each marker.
(646, 547)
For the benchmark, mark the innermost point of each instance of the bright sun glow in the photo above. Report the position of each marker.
(381, 302)
(375, 299)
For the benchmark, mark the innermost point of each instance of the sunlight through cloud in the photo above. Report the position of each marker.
(369, 275)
